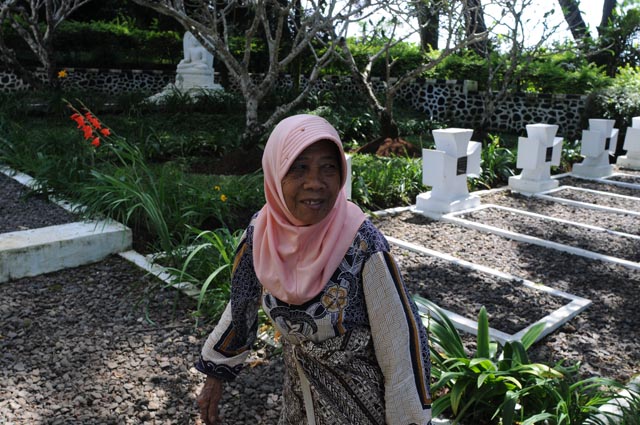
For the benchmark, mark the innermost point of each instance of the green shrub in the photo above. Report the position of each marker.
(564, 72)
(116, 44)
(208, 266)
(620, 101)
(500, 385)
(498, 164)
(381, 182)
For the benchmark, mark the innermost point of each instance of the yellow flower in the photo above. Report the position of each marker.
(62, 73)
(223, 197)
(216, 188)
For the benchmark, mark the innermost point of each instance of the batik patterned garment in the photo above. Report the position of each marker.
(356, 353)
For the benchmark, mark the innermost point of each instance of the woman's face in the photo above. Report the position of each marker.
(312, 184)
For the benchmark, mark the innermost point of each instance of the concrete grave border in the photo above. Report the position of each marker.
(547, 195)
(552, 321)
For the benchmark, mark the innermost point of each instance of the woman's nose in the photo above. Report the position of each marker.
(313, 178)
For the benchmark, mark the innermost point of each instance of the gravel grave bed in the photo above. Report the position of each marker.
(611, 220)
(21, 211)
(625, 179)
(599, 186)
(599, 241)
(511, 306)
(604, 347)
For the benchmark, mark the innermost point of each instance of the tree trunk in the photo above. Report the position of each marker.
(474, 24)
(607, 12)
(388, 126)
(577, 26)
(429, 21)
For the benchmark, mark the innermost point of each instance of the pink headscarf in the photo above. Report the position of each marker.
(292, 261)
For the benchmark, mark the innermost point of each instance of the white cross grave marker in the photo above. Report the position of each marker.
(536, 154)
(597, 144)
(632, 146)
(446, 169)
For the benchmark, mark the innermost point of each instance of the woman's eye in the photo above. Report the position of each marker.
(296, 168)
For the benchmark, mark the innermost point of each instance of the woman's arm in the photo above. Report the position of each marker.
(400, 342)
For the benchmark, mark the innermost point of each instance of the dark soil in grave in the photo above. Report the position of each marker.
(625, 179)
(595, 185)
(598, 241)
(431, 277)
(21, 210)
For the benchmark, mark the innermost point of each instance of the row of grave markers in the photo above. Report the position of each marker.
(456, 158)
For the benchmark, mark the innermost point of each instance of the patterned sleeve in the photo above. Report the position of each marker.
(227, 347)
(400, 342)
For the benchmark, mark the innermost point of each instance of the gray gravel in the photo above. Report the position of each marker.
(21, 210)
(79, 346)
(94, 345)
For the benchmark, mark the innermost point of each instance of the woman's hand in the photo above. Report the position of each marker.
(208, 400)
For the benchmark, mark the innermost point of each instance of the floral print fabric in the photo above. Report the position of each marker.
(360, 342)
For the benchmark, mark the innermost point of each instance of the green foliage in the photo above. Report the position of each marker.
(500, 385)
(116, 44)
(569, 156)
(56, 159)
(208, 266)
(353, 121)
(498, 164)
(465, 65)
(621, 100)
(564, 72)
(408, 56)
(381, 182)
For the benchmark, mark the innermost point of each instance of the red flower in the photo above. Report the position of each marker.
(79, 119)
(87, 132)
(105, 132)
(95, 142)
(93, 120)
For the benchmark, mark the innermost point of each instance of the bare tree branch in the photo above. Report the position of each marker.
(24, 17)
(212, 25)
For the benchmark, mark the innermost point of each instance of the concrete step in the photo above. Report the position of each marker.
(47, 249)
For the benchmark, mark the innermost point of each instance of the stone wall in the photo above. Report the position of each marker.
(449, 101)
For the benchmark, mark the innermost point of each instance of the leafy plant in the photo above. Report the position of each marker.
(498, 164)
(501, 385)
(209, 267)
(382, 182)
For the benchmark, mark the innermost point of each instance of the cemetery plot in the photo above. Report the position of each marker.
(517, 223)
(625, 178)
(21, 211)
(462, 288)
(588, 338)
(601, 185)
(612, 220)
(616, 201)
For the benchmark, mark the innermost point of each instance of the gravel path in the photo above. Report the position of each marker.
(21, 211)
(93, 345)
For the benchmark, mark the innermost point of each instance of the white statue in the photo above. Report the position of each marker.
(196, 57)
(194, 74)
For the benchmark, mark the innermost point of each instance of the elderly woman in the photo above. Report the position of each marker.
(354, 349)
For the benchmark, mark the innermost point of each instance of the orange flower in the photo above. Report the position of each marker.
(62, 73)
(87, 132)
(95, 142)
(93, 120)
(105, 131)
(79, 119)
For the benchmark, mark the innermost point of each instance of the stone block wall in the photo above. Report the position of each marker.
(448, 101)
